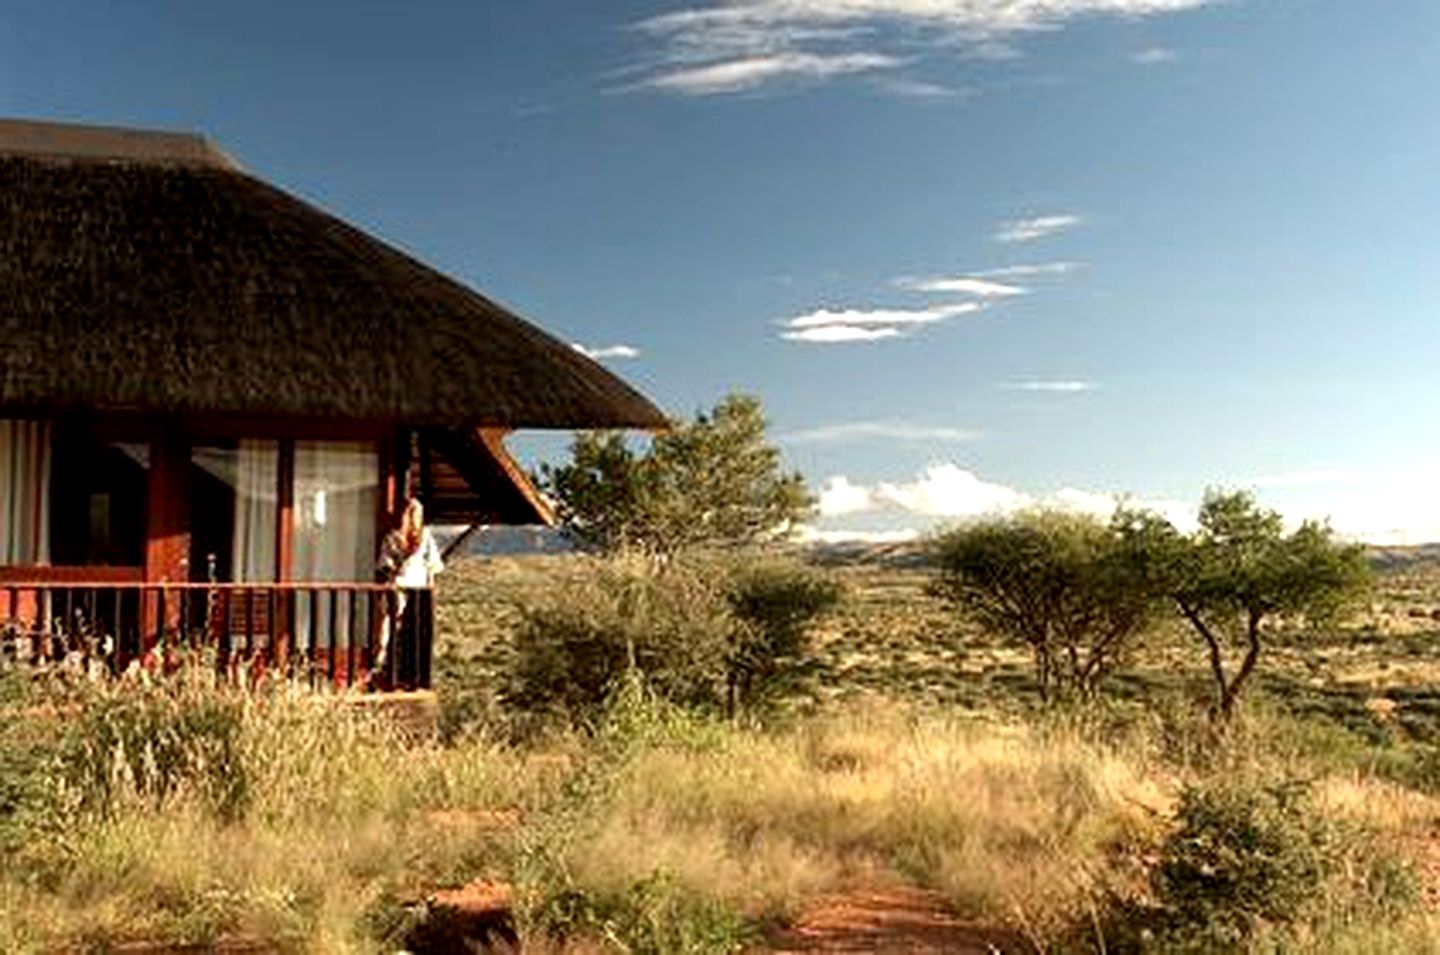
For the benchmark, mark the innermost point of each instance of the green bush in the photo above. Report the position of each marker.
(773, 602)
(1243, 856)
(716, 633)
(1255, 861)
(613, 616)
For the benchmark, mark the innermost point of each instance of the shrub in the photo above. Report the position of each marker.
(1255, 861)
(612, 616)
(717, 633)
(773, 602)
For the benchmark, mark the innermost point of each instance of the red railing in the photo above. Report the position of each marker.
(337, 634)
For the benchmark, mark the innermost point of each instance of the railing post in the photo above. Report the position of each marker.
(425, 637)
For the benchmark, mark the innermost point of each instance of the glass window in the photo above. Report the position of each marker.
(97, 500)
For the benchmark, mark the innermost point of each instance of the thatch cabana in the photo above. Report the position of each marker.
(207, 382)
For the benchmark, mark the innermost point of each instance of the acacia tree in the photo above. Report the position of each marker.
(713, 481)
(1066, 585)
(1240, 572)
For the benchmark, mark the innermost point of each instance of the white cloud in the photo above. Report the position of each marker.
(1036, 227)
(838, 495)
(881, 316)
(1154, 56)
(838, 334)
(1061, 386)
(607, 351)
(1395, 505)
(722, 46)
(946, 490)
(961, 285)
(1029, 271)
(830, 326)
(878, 431)
(733, 76)
(923, 89)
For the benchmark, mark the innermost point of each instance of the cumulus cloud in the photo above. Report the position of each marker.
(723, 46)
(961, 285)
(607, 351)
(947, 492)
(1061, 386)
(1396, 505)
(862, 325)
(838, 496)
(878, 431)
(1035, 228)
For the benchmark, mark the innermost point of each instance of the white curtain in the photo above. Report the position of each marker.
(336, 488)
(25, 451)
(257, 478)
(337, 484)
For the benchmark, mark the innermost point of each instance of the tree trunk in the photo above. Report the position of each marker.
(1220, 710)
(1247, 666)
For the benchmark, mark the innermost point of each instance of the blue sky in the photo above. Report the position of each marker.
(971, 253)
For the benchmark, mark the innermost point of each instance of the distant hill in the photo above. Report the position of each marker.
(1397, 558)
(498, 540)
(900, 554)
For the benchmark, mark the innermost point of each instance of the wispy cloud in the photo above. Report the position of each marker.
(881, 316)
(878, 431)
(1036, 227)
(829, 326)
(1031, 270)
(1068, 386)
(961, 285)
(839, 334)
(607, 351)
(733, 76)
(724, 46)
(1154, 56)
(923, 89)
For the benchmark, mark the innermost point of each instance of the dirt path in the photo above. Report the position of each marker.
(891, 920)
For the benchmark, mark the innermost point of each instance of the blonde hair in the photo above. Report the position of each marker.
(412, 524)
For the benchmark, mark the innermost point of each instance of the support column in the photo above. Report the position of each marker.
(167, 533)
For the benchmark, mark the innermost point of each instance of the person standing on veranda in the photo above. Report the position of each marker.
(409, 558)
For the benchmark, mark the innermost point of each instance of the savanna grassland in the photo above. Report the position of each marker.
(905, 756)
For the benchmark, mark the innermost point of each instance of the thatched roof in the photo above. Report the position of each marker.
(147, 271)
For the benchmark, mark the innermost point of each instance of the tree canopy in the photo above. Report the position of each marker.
(1062, 583)
(1240, 571)
(712, 481)
(1079, 592)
